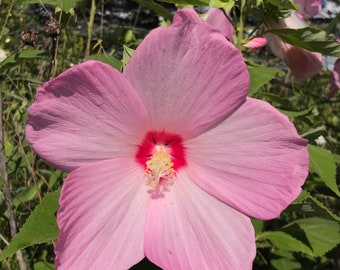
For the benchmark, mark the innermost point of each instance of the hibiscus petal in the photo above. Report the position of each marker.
(219, 20)
(102, 216)
(254, 161)
(88, 113)
(189, 229)
(185, 14)
(191, 79)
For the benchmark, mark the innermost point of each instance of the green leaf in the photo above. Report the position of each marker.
(65, 5)
(259, 76)
(158, 9)
(284, 241)
(27, 194)
(43, 266)
(187, 2)
(282, 4)
(108, 59)
(127, 53)
(26, 53)
(309, 205)
(322, 234)
(40, 227)
(258, 225)
(322, 163)
(309, 38)
(292, 114)
(285, 264)
(227, 5)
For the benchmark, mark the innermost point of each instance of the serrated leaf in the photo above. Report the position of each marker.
(309, 38)
(284, 241)
(227, 5)
(309, 205)
(40, 227)
(322, 163)
(260, 76)
(323, 234)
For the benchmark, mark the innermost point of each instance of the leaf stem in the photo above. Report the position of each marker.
(90, 29)
(241, 25)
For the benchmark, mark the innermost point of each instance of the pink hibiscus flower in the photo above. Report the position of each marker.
(309, 7)
(302, 63)
(335, 79)
(256, 43)
(168, 159)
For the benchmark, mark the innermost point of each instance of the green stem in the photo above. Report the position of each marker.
(90, 28)
(241, 25)
(6, 19)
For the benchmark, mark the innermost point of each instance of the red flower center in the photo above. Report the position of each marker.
(161, 154)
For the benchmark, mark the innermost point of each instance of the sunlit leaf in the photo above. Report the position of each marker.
(225, 4)
(108, 59)
(284, 241)
(322, 163)
(128, 52)
(322, 234)
(26, 53)
(40, 227)
(309, 38)
(260, 76)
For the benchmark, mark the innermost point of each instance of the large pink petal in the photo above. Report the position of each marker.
(102, 216)
(88, 113)
(182, 15)
(189, 76)
(189, 229)
(254, 161)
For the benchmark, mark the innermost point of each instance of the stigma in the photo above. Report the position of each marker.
(161, 154)
(159, 167)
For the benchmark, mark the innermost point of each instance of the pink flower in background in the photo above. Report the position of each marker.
(309, 7)
(303, 64)
(335, 79)
(168, 159)
(256, 43)
(219, 20)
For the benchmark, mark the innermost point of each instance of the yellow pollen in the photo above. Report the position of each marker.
(159, 167)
